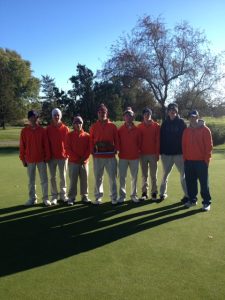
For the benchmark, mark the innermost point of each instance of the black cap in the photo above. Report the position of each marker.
(193, 113)
(32, 113)
(147, 110)
(173, 106)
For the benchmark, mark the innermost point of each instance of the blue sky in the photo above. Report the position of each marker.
(56, 35)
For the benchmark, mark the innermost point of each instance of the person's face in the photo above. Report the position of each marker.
(56, 118)
(172, 113)
(147, 117)
(102, 115)
(33, 120)
(77, 125)
(193, 120)
(128, 118)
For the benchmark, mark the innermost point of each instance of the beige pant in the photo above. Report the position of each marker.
(168, 162)
(123, 166)
(75, 171)
(149, 164)
(31, 172)
(62, 167)
(110, 164)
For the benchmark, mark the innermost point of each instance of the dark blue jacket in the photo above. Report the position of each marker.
(171, 136)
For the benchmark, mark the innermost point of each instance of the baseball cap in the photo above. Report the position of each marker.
(32, 113)
(193, 113)
(78, 119)
(147, 110)
(129, 111)
(173, 106)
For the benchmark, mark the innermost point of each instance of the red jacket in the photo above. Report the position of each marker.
(57, 138)
(129, 142)
(34, 146)
(78, 146)
(150, 138)
(104, 132)
(197, 143)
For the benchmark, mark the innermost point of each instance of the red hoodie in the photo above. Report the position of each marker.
(197, 143)
(57, 138)
(34, 146)
(150, 138)
(129, 142)
(78, 146)
(103, 132)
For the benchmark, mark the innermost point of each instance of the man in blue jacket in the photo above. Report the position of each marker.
(171, 149)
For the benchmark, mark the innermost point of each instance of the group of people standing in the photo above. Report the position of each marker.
(188, 148)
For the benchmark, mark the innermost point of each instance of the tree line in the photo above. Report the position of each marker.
(151, 66)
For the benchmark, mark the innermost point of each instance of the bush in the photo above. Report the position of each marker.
(218, 133)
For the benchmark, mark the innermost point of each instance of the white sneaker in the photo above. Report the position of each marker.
(206, 207)
(120, 200)
(47, 203)
(54, 202)
(65, 200)
(114, 201)
(135, 199)
(30, 202)
(97, 201)
(86, 200)
(70, 202)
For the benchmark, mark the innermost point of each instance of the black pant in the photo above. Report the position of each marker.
(197, 170)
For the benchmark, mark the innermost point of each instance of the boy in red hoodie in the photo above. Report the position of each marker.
(34, 153)
(129, 154)
(57, 132)
(78, 149)
(104, 145)
(197, 148)
(150, 147)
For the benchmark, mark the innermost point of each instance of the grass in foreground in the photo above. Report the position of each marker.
(146, 251)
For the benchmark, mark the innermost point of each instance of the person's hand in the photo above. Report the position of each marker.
(24, 163)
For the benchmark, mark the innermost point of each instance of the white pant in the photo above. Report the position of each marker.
(75, 171)
(62, 167)
(168, 162)
(110, 164)
(149, 163)
(123, 166)
(31, 172)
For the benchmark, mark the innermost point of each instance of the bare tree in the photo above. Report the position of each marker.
(165, 60)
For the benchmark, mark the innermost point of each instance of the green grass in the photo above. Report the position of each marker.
(146, 251)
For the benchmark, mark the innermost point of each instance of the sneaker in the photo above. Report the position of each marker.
(189, 204)
(65, 199)
(86, 200)
(97, 201)
(184, 200)
(54, 202)
(206, 207)
(114, 201)
(121, 200)
(163, 197)
(154, 196)
(70, 202)
(30, 202)
(47, 202)
(135, 199)
(144, 196)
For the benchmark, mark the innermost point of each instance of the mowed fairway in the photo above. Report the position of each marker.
(131, 251)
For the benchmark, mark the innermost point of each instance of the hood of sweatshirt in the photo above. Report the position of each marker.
(201, 123)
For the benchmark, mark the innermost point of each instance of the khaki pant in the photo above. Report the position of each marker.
(149, 164)
(78, 171)
(123, 166)
(110, 164)
(62, 167)
(168, 162)
(31, 172)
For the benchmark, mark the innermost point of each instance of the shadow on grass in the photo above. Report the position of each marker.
(9, 150)
(37, 236)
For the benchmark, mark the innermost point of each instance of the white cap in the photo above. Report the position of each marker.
(56, 111)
